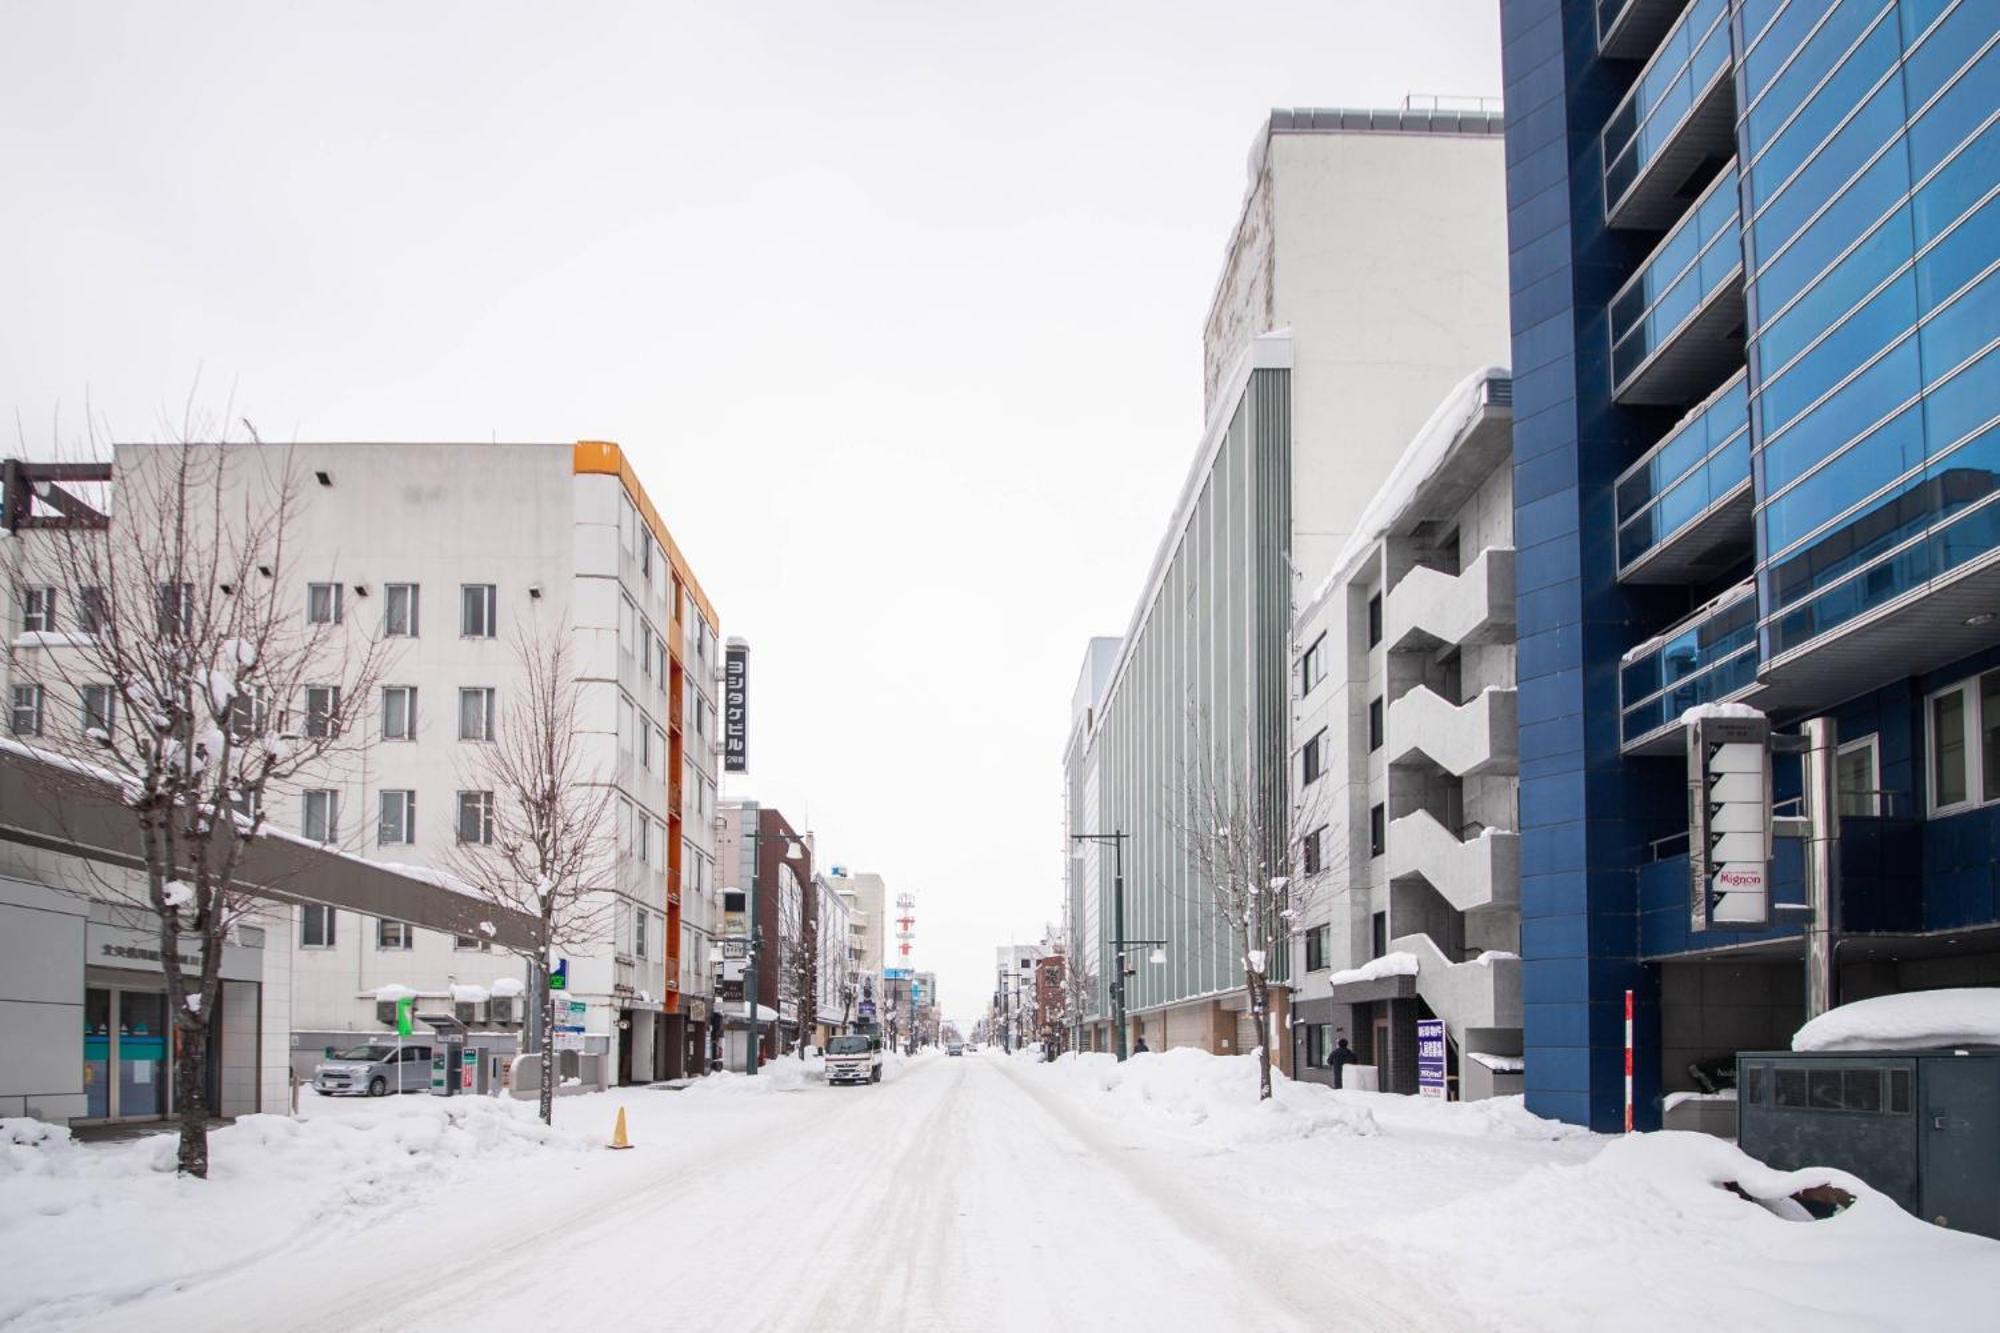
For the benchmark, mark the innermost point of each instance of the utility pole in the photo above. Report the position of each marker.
(750, 1000)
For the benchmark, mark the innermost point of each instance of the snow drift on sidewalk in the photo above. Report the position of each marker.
(1646, 1236)
(1912, 1021)
(272, 1182)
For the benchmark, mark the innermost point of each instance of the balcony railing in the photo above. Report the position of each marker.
(1679, 114)
(1677, 326)
(1684, 509)
(1631, 29)
(1707, 658)
(1477, 737)
(1472, 874)
(1429, 608)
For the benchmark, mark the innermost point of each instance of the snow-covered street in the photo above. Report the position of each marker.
(983, 1192)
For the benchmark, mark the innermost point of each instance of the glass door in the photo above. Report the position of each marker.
(124, 1054)
(142, 1054)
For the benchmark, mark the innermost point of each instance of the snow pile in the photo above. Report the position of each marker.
(1213, 1096)
(1912, 1021)
(393, 992)
(273, 1181)
(1397, 964)
(1647, 1235)
(506, 988)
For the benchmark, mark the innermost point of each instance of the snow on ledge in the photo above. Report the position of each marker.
(1911, 1021)
(393, 992)
(1388, 965)
(1500, 1064)
(1700, 711)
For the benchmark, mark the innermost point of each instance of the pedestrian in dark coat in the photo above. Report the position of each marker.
(1341, 1058)
(1140, 1047)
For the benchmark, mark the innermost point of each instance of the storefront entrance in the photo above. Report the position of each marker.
(125, 1054)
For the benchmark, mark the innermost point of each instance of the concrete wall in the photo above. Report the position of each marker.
(41, 1001)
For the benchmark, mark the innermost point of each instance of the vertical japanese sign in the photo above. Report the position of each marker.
(735, 708)
(1729, 822)
(1430, 1057)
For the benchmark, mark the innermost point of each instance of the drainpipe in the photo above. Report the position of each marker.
(1822, 863)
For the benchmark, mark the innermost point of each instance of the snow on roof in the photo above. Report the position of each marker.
(507, 987)
(464, 994)
(1700, 711)
(1420, 461)
(1388, 965)
(1499, 1064)
(1911, 1021)
(394, 991)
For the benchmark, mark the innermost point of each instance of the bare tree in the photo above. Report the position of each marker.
(798, 927)
(1252, 850)
(533, 831)
(175, 637)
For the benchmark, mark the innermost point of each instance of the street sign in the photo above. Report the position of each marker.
(559, 979)
(898, 973)
(1430, 1057)
(736, 707)
(1729, 822)
(569, 1025)
(404, 1027)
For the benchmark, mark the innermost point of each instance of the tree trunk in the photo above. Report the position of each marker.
(190, 1033)
(548, 1001)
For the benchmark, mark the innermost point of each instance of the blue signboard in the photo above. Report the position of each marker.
(1430, 1057)
(898, 973)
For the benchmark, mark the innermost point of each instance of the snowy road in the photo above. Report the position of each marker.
(958, 1196)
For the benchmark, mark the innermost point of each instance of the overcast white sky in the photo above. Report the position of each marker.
(896, 306)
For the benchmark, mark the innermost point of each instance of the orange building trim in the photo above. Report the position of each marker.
(605, 458)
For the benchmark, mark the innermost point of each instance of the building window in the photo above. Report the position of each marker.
(1859, 778)
(1378, 933)
(1312, 666)
(472, 942)
(1378, 829)
(645, 743)
(397, 825)
(639, 933)
(399, 712)
(1965, 744)
(323, 603)
(478, 610)
(394, 934)
(625, 725)
(1319, 946)
(25, 714)
(399, 610)
(173, 606)
(320, 815)
(100, 711)
(475, 713)
(1375, 729)
(38, 610)
(1313, 851)
(91, 614)
(316, 924)
(322, 711)
(1375, 620)
(475, 817)
(1312, 759)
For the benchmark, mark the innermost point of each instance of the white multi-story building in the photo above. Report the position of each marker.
(1366, 273)
(456, 554)
(1404, 753)
(868, 932)
(833, 936)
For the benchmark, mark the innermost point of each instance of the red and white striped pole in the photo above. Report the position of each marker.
(1628, 1062)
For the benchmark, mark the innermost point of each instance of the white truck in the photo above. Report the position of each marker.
(853, 1058)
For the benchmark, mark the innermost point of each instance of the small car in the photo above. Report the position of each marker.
(374, 1069)
(954, 1048)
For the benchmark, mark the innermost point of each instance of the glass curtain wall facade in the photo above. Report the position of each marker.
(1205, 660)
(1754, 302)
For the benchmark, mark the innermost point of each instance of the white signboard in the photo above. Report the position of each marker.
(1729, 844)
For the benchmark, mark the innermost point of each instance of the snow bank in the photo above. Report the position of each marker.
(1912, 1021)
(1647, 1235)
(1396, 964)
(1213, 1096)
(273, 1182)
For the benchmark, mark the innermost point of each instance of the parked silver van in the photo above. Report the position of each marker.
(376, 1069)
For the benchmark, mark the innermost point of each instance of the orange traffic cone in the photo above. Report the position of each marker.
(618, 1139)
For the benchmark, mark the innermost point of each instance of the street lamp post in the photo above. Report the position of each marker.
(1120, 946)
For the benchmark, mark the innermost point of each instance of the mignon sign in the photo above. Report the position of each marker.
(1729, 821)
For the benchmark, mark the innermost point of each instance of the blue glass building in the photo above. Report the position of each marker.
(1753, 247)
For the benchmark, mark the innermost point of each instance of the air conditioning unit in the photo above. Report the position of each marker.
(469, 1012)
(385, 1013)
(505, 1009)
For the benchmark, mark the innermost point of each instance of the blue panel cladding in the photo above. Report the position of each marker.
(1584, 817)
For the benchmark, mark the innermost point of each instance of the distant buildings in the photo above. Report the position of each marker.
(1366, 276)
